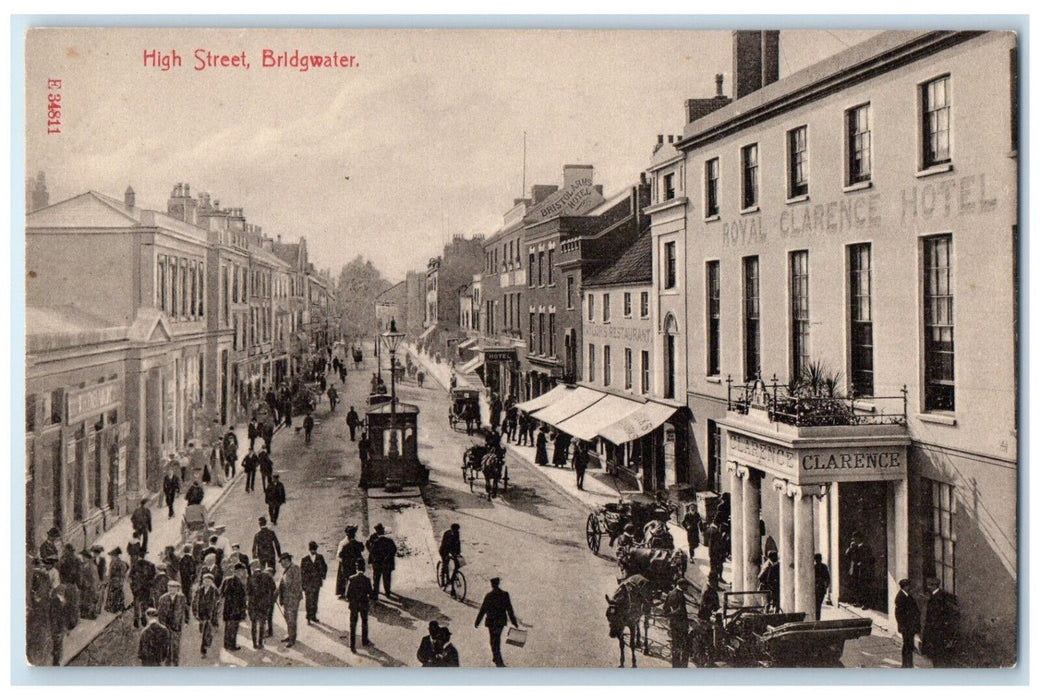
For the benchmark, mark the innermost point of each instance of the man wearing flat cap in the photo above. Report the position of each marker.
(173, 614)
(206, 608)
(290, 592)
(233, 595)
(153, 649)
(496, 608)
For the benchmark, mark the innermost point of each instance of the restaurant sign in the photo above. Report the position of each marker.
(92, 400)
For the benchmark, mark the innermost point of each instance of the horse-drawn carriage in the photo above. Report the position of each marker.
(481, 461)
(465, 408)
(636, 509)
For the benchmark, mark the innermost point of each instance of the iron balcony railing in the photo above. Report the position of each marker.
(811, 410)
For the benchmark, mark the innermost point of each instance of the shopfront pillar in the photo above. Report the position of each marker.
(752, 514)
(785, 511)
(736, 536)
(804, 549)
(897, 503)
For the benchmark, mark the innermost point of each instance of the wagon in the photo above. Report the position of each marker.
(635, 508)
(464, 402)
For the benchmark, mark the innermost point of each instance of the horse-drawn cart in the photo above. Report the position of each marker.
(464, 410)
(635, 508)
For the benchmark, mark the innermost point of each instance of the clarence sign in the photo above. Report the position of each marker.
(809, 465)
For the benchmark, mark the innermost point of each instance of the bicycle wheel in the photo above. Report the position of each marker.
(458, 586)
(440, 575)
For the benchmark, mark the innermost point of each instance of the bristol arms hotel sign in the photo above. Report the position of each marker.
(816, 460)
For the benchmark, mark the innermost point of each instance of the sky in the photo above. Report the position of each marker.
(421, 139)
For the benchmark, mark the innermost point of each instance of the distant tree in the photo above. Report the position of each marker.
(358, 286)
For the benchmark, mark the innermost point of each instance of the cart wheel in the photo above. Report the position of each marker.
(593, 533)
(505, 478)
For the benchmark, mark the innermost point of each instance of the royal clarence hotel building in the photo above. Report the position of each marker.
(854, 225)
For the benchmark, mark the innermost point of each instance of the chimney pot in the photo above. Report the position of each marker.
(187, 190)
(718, 85)
(128, 197)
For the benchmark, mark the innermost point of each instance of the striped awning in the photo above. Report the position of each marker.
(637, 423)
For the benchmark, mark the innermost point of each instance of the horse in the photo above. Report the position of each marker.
(661, 566)
(491, 466)
(630, 604)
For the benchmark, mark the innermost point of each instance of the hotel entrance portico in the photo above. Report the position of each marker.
(800, 468)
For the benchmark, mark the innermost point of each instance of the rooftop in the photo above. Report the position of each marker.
(634, 266)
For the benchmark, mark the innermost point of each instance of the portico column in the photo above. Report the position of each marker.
(736, 509)
(897, 537)
(752, 539)
(786, 544)
(804, 570)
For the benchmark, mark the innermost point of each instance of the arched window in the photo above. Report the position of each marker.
(671, 330)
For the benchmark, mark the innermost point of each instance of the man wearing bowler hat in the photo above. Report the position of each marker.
(495, 609)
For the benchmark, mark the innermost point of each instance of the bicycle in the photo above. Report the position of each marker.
(456, 585)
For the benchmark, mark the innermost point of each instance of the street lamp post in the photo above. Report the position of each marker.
(392, 338)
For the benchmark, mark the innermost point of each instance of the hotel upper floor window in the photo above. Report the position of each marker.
(530, 332)
(644, 371)
(552, 334)
(935, 110)
(606, 365)
(799, 264)
(752, 338)
(668, 187)
(549, 273)
(530, 269)
(711, 187)
(749, 180)
(798, 162)
(714, 317)
(592, 362)
(644, 304)
(857, 130)
(628, 368)
(606, 307)
(669, 265)
(627, 304)
(592, 307)
(541, 268)
(861, 322)
(938, 324)
(570, 291)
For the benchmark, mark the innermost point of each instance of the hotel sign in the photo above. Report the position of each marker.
(92, 401)
(880, 462)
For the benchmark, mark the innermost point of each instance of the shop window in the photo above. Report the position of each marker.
(857, 130)
(938, 508)
(749, 179)
(798, 162)
(714, 308)
(711, 187)
(861, 324)
(935, 110)
(799, 264)
(752, 339)
(938, 324)
(714, 457)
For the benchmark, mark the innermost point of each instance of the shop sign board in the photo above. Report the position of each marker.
(91, 401)
(857, 462)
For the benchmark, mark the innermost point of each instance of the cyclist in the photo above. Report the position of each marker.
(450, 550)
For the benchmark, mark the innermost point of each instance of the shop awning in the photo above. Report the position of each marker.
(637, 423)
(471, 365)
(557, 392)
(586, 424)
(576, 400)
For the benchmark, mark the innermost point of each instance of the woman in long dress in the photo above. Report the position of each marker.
(117, 570)
(541, 457)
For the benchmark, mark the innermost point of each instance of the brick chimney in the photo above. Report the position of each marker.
(718, 85)
(128, 197)
(756, 60)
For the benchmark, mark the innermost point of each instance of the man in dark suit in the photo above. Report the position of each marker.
(427, 653)
(495, 609)
(382, 555)
(908, 620)
(233, 595)
(153, 649)
(940, 621)
(313, 570)
(141, 519)
(274, 496)
(359, 591)
(266, 547)
(261, 592)
(171, 486)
